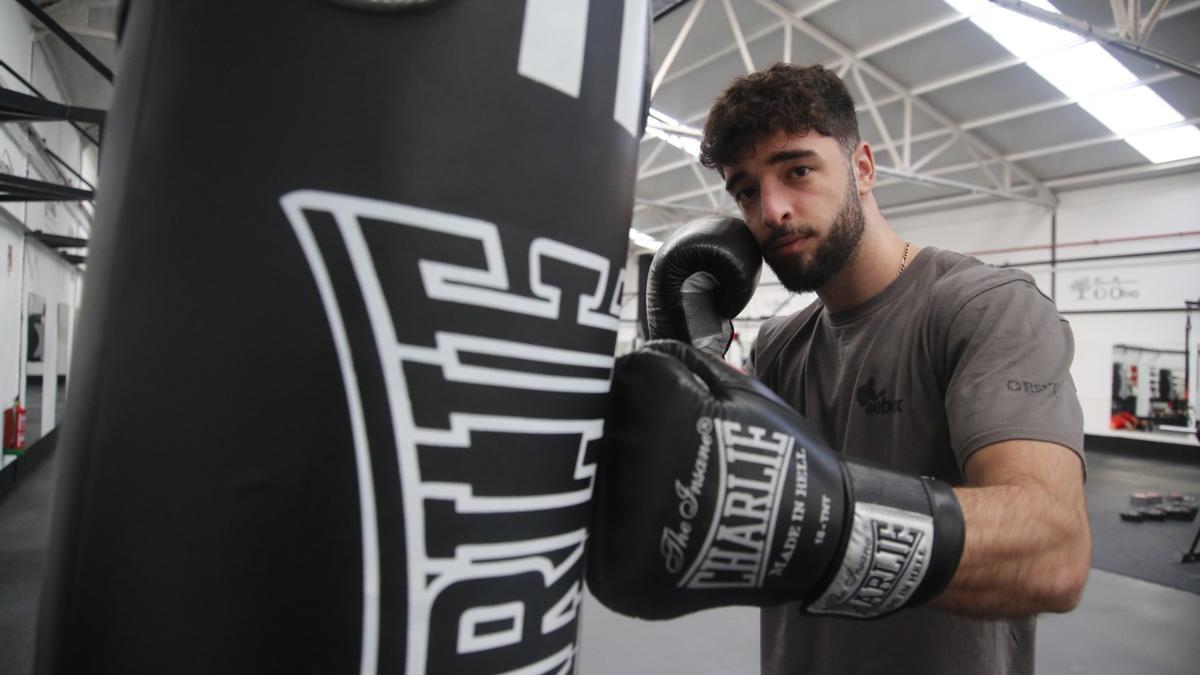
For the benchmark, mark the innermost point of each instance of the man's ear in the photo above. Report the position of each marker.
(862, 160)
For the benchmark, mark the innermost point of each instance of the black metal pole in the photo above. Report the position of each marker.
(62, 162)
(662, 8)
(1190, 555)
(1187, 363)
(1054, 260)
(35, 90)
(67, 38)
(1054, 255)
(1187, 352)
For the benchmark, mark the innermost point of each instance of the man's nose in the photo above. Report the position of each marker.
(776, 207)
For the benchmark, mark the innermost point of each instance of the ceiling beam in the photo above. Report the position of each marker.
(708, 189)
(1090, 32)
(644, 204)
(925, 205)
(1139, 171)
(883, 78)
(73, 44)
(1049, 150)
(970, 188)
(1151, 21)
(859, 67)
(1121, 17)
(935, 153)
(666, 168)
(910, 35)
(1088, 142)
(1065, 183)
(1011, 61)
(960, 77)
(750, 39)
(653, 155)
(684, 32)
(1035, 108)
(691, 194)
(738, 37)
(80, 31)
(987, 157)
(875, 116)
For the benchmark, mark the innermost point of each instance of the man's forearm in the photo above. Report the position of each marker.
(1027, 551)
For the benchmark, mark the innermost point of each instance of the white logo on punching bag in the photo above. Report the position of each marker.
(553, 41)
(454, 492)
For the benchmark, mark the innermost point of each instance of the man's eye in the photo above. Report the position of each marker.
(800, 171)
(744, 194)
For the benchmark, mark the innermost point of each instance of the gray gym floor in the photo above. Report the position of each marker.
(23, 517)
(1124, 625)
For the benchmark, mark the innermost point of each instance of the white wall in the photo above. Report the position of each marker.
(12, 326)
(34, 268)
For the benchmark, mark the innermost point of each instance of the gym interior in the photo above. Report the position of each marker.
(1057, 137)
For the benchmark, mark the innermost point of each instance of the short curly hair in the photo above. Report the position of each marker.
(784, 97)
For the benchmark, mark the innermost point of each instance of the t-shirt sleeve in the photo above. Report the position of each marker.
(1008, 358)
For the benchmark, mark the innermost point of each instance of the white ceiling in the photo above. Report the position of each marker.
(93, 24)
(981, 125)
(967, 121)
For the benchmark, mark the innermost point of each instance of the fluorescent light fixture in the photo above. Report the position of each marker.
(1019, 34)
(663, 127)
(1087, 73)
(1081, 70)
(1129, 111)
(1167, 145)
(644, 240)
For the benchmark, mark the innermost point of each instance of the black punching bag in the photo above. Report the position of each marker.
(346, 337)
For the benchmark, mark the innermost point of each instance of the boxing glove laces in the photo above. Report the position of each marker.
(699, 280)
(711, 491)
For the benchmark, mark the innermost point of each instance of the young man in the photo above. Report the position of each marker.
(918, 358)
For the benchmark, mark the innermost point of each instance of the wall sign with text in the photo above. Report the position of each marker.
(1152, 283)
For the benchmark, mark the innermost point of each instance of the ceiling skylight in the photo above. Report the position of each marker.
(644, 240)
(666, 127)
(1085, 72)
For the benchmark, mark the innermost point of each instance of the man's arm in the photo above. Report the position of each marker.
(1028, 546)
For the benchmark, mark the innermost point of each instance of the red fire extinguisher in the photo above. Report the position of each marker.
(14, 427)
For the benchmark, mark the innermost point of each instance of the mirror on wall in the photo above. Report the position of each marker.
(35, 355)
(62, 358)
(1148, 389)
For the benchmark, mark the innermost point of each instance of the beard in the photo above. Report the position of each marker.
(831, 254)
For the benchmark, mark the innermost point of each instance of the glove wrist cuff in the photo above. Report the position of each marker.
(904, 539)
(950, 536)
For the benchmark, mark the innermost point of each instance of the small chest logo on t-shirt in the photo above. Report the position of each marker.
(877, 402)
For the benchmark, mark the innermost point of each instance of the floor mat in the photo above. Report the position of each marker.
(1149, 550)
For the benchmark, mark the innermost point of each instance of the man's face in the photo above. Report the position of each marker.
(798, 195)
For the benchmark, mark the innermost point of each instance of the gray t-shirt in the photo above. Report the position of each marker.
(951, 357)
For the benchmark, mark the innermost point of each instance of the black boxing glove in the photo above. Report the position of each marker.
(699, 280)
(712, 491)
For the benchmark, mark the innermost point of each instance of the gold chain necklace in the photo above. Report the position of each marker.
(904, 260)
